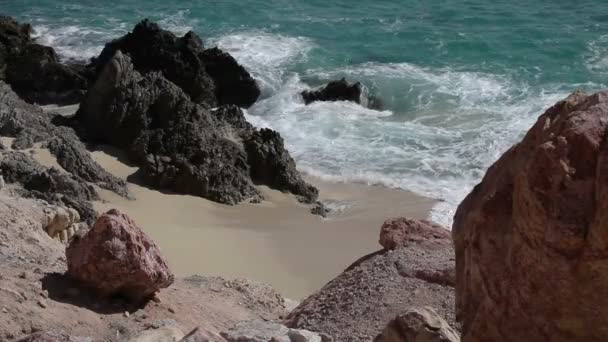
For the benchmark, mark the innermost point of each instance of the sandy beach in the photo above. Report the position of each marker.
(277, 241)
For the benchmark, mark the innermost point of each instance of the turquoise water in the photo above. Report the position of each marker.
(461, 80)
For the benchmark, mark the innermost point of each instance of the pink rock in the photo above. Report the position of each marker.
(531, 239)
(116, 257)
(401, 232)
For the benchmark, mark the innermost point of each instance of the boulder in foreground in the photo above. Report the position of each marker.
(531, 239)
(357, 305)
(418, 325)
(116, 257)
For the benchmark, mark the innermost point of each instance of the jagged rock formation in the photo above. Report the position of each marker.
(30, 126)
(418, 325)
(530, 239)
(115, 257)
(357, 305)
(181, 145)
(209, 77)
(340, 90)
(34, 71)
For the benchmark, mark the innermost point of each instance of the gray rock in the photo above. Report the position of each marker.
(181, 145)
(168, 333)
(418, 325)
(262, 331)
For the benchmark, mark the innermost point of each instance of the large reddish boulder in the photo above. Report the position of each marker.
(532, 241)
(402, 232)
(116, 257)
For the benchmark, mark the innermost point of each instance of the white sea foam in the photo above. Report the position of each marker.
(454, 126)
(597, 55)
(265, 55)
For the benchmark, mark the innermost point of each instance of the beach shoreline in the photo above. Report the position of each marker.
(278, 241)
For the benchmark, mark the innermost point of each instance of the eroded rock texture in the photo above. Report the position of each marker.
(116, 257)
(181, 145)
(531, 239)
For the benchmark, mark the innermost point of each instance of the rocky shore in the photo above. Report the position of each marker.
(525, 260)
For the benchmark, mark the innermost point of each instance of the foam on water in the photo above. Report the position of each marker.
(442, 128)
(265, 55)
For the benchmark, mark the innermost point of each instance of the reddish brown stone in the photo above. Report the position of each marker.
(117, 258)
(402, 232)
(531, 240)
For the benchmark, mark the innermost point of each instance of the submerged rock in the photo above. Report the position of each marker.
(356, 305)
(181, 145)
(209, 77)
(340, 90)
(418, 325)
(116, 257)
(530, 239)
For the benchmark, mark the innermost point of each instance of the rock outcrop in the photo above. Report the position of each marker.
(182, 146)
(262, 331)
(403, 232)
(530, 239)
(357, 305)
(116, 257)
(418, 325)
(209, 77)
(34, 71)
(340, 90)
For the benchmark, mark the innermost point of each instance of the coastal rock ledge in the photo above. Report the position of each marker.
(531, 240)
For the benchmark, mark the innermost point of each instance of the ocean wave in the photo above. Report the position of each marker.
(597, 55)
(437, 140)
(265, 55)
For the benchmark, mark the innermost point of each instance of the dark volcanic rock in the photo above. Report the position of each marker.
(13, 36)
(48, 184)
(357, 305)
(34, 71)
(28, 124)
(209, 77)
(38, 77)
(233, 84)
(272, 165)
(181, 145)
(340, 90)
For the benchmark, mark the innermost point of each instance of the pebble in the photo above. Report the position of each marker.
(4, 310)
(42, 304)
(127, 314)
(171, 310)
(23, 275)
(44, 294)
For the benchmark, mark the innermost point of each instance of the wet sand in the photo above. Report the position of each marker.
(277, 241)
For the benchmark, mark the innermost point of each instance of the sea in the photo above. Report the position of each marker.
(461, 80)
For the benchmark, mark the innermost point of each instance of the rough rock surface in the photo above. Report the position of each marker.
(55, 187)
(209, 77)
(418, 325)
(32, 267)
(181, 145)
(34, 71)
(402, 232)
(530, 239)
(340, 90)
(262, 331)
(116, 257)
(29, 125)
(357, 305)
